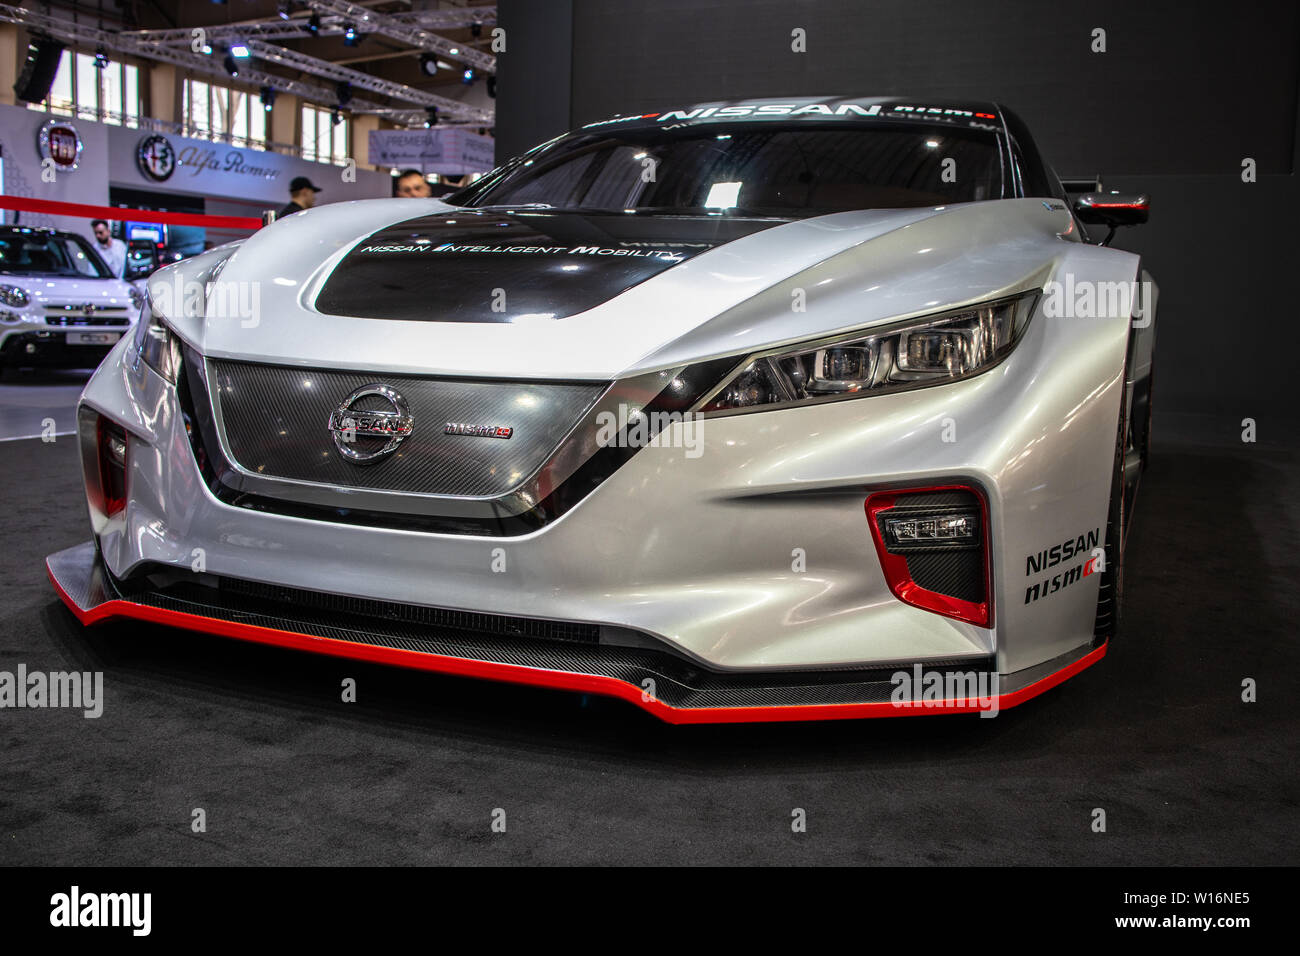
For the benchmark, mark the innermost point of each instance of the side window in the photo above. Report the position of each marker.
(1018, 169)
(1054, 184)
(1038, 180)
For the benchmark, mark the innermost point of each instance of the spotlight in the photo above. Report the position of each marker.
(428, 64)
(476, 30)
(267, 96)
(336, 117)
(454, 51)
(284, 8)
(492, 86)
(343, 90)
(350, 35)
(468, 76)
(240, 51)
(313, 24)
(101, 58)
(430, 116)
(231, 66)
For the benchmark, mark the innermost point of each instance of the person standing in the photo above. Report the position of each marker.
(112, 251)
(302, 195)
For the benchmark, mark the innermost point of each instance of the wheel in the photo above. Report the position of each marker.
(1112, 576)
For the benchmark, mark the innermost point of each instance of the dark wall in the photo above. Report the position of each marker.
(533, 74)
(1184, 92)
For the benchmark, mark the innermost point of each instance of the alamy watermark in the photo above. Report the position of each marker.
(632, 427)
(217, 299)
(36, 689)
(75, 908)
(1087, 299)
(922, 689)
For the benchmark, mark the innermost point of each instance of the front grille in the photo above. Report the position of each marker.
(549, 501)
(435, 617)
(275, 423)
(75, 316)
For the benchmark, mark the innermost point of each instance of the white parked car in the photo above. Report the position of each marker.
(59, 304)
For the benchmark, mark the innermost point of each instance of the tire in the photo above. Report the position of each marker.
(1112, 577)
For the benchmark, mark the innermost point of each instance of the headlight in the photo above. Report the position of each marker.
(929, 351)
(156, 345)
(137, 298)
(13, 296)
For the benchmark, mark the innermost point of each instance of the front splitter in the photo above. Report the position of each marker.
(687, 695)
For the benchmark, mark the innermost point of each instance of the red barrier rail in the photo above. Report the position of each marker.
(52, 208)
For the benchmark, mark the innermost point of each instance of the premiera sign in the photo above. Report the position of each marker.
(450, 152)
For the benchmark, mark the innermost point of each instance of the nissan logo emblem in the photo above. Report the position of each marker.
(347, 424)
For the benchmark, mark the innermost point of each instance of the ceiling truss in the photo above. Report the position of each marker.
(174, 46)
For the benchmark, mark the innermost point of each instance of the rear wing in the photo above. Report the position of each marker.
(1081, 185)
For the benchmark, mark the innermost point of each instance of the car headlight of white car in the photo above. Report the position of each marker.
(156, 344)
(928, 351)
(13, 296)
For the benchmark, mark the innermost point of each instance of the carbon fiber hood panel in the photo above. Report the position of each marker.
(274, 422)
(487, 266)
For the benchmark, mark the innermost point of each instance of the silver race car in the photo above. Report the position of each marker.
(763, 410)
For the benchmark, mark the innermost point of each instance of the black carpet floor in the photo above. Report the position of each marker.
(1156, 734)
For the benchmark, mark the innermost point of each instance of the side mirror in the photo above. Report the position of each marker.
(1112, 210)
(137, 270)
(141, 261)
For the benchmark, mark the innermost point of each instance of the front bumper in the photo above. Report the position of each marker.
(747, 569)
(546, 654)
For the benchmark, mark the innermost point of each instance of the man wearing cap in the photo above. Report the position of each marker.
(302, 195)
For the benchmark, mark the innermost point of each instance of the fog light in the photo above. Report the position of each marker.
(932, 531)
(934, 549)
(31, 348)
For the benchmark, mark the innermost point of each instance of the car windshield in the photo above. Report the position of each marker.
(48, 254)
(782, 171)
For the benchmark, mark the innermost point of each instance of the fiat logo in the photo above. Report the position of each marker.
(348, 424)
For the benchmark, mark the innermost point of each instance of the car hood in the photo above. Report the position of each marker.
(497, 266)
(540, 294)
